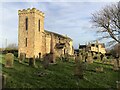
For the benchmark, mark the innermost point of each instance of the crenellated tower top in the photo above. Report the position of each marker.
(33, 10)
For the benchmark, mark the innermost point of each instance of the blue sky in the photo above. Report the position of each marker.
(66, 18)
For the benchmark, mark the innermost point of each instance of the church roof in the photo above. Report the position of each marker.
(59, 35)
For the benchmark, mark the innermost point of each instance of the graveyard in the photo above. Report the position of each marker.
(59, 75)
(44, 58)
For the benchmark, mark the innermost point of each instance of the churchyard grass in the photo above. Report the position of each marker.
(58, 75)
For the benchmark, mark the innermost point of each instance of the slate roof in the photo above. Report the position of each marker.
(59, 35)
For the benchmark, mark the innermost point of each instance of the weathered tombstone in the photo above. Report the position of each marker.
(3, 81)
(118, 85)
(46, 61)
(22, 57)
(80, 57)
(9, 59)
(99, 69)
(83, 56)
(79, 70)
(89, 58)
(115, 66)
(112, 61)
(77, 59)
(98, 57)
(31, 62)
(104, 59)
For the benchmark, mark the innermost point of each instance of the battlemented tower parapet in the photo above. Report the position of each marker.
(33, 10)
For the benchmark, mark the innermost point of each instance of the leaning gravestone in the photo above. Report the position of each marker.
(9, 58)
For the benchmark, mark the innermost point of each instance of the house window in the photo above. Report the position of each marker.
(93, 45)
(97, 46)
(26, 23)
(39, 25)
(26, 42)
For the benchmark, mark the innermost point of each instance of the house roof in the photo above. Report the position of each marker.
(82, 46)
(59, 35)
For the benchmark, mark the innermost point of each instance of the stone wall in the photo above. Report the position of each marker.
(38, 41)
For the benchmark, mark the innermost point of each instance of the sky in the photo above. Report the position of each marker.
(66, 18)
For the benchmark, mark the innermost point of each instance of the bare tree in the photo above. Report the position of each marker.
(108, 20)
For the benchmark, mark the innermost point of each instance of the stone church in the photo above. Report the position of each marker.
(35, 41)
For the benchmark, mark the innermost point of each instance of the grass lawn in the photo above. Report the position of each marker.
(60, 75)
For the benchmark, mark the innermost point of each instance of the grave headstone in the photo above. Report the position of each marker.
(89, 58)
(83, 56)
(104, 59)
(80, 57)
(99, 69)
(112, 62)
(115, 66)
(79, 71)
(9, 59)
(118, 85)
(22, 57)
(3, 81)
(31, 62)
(46, 61)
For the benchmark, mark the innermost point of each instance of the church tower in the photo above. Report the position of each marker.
(30, 30)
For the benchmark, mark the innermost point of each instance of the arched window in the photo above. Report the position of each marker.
(26, 42)
(39, 24)
(26, 23)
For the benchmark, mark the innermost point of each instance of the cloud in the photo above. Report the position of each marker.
(59, 1)
(71, 18)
